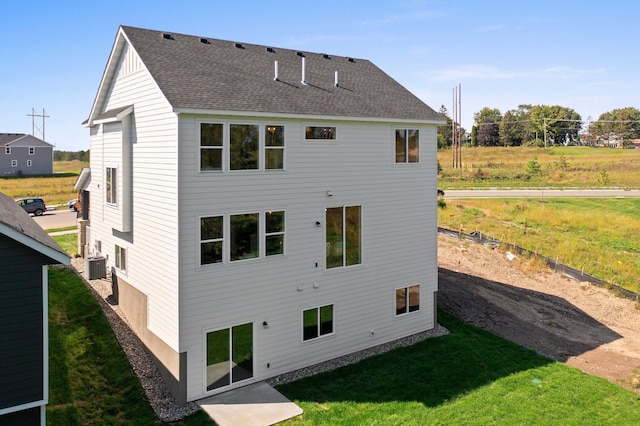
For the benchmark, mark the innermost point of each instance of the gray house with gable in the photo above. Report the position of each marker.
(262, 209)
(25, 253)
(22, 154)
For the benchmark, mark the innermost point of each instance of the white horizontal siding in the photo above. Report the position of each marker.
(399, 230)
(152, 250)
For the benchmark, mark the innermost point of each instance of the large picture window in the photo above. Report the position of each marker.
(244, 236)
(243, 147)
(407, 299)
(111, 185)
(317, 322)
(210, 146)
(211, 239)
(274, 147)
(274, 232)
(407, 146)
(343, 236)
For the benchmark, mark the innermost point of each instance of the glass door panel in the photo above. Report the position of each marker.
(242, 352)
(229, 356)
(218, 362)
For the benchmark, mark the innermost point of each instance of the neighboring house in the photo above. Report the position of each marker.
(25, 252)
(261, 209)
(22, 154)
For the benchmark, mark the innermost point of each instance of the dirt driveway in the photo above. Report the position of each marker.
(579, 324)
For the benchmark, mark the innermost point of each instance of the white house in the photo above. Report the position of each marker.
(22, 154)
(262, 209)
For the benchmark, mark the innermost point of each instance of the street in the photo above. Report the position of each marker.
(51, 219)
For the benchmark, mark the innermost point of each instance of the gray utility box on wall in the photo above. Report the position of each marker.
(95, 268)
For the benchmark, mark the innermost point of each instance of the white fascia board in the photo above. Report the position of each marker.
(18, 236)
(302, 116)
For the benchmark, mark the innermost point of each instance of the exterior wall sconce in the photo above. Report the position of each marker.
(329, 194)
(265, 324)
(318, 223)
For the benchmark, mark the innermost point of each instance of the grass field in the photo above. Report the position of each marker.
(56, 189)
(469, 377)
(556, 167)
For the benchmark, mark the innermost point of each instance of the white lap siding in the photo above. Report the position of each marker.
(398, 245)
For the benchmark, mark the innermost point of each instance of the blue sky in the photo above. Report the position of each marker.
(577, 54)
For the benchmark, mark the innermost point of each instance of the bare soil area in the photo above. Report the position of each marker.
(522, 300)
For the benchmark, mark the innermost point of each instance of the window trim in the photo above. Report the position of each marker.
(320, 335)
(407, 158)
(211, 240)
(407, 306)
(225, 148)
(14, 163)
(7, 150)
(120, 258)
(334, 132)
(29, 163)
(111, 189)
(344, 248)
(32, 150)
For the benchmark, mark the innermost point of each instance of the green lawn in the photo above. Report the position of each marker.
(469, 377)
(90, 379)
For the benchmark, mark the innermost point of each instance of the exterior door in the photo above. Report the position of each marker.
(229, 356)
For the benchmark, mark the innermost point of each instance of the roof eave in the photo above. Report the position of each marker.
(47, 251)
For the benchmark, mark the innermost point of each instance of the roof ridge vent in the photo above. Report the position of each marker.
(239, 45)
(167, 36)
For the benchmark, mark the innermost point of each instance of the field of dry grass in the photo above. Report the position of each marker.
(557, 167)
(56, 189)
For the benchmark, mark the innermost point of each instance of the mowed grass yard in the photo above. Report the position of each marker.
(468, 377)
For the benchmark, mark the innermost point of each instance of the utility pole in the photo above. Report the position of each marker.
(456, 128)
(545, 132)
(33, 116)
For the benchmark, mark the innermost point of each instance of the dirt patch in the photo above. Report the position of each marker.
(584, 326)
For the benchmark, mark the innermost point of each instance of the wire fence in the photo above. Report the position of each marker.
(571, 273)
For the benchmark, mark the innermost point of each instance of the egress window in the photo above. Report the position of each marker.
(319, 132)
(407, 299)
(407, 146)
(317, 322)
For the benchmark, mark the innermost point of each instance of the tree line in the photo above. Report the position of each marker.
(71, 155)
(541, 125)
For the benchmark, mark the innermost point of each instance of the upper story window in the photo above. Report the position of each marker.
(244, 236)
(239, 146)
(32, 150)
(407, 146)
(111, 185)
(7, 150)
(407, 299)
(243, 147)
(29, 163)
(319, 132)
(274, 147)
(274, 233)
(14, 163)
(210, 146)
(343, 236)
(211, 239)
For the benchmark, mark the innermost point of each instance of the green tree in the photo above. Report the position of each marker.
(555, 122)
(515, 127)
(493, 115)
(444, 130)
(623, 122)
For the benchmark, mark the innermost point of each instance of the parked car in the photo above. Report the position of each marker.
(73, 204)
(440, 192)
(33, 205)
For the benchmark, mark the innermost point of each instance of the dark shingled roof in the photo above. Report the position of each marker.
(203, 73)
(6, 138)
(14, 217)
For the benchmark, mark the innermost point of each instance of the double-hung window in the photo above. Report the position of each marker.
(211, 239)
(407, 299)
(211, 136)
(111, 185)
(274, 232)
(7, 150)
(343, 236)
(121, 258)
(317, 322)
(274, 147)
(32, 150)
(407, 146)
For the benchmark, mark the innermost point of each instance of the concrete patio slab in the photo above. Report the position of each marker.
(255, 405)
